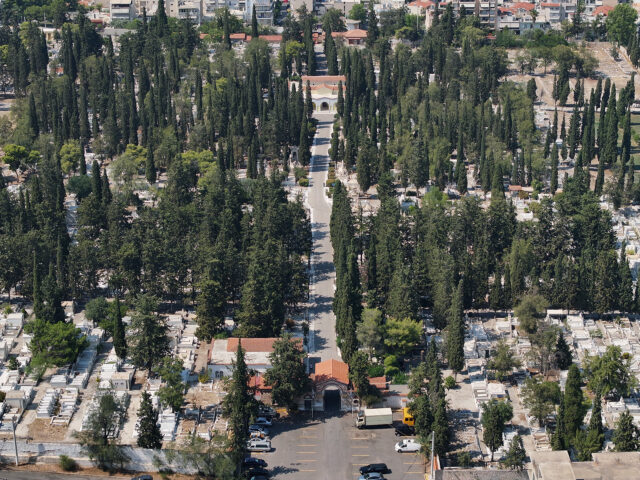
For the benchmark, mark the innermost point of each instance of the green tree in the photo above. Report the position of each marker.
(401, 336)
(54, 344)
(359, 373)
(609, 373)
(171, 393)
(540, 397)
(516, 455)
(70, 156)
(149, 435)
(421, 410)
(620, 23)
(626, 436)
(98, 437)
(495, 415)
(119, 340)
(287, 375)
(369, 331)
(529, 310)
(148, 340)
(502, 362)
(455, 332)
(574, 409)
(239, 406)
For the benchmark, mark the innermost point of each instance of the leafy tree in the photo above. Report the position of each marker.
(149, 435)
(609, 373)
(203, 456)
(495, 415)
(98, 438)
(502, 362)
(15, 156)
(516, 455)
(540, 397)
(369, 331)
(56, 344)
(529, 310)
(620, 23)
(171, 393)
(626, 436)
(148, 340)
(401, 336)
(71, 156)
(287, 375)
(97, 310)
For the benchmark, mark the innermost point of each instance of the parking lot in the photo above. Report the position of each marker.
(331, 447)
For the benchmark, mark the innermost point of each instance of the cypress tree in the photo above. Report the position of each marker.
(37, 292)
(553, 186)
(254, 23)
(625, 292)
(150, 166)
(559, 439)
(573, 401)
(626, 436)
(455, 331)
(149, 434)
(119, 341)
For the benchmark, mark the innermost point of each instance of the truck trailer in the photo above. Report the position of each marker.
(374, 417)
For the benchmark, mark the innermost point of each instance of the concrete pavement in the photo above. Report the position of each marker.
(322, 340)
(26, 475)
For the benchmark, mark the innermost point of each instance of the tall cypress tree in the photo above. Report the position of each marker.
(119, 341)
(149, 434)
(455, 331)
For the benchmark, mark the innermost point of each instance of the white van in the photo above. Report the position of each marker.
(259, 445)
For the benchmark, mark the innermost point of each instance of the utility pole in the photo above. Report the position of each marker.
(15, 442)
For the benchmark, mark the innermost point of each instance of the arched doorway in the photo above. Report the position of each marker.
(324, 107)
(331, 399)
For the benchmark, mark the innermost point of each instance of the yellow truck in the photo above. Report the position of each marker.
(407, 418)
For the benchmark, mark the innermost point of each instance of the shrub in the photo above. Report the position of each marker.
(449, 383)
(67, 464)
(204, 377)
(400, 378)
(303, 182)
(464, 459)
(376, 370)
(391, 361)
(391, 372)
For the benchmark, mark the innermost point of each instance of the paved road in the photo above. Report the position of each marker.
(24, 475)
(323, 336)
(331, 448)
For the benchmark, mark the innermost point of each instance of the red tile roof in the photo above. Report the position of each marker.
(238, 36)
(549, 5)
(421, 4)
(256, 382)
(332, 370)
(379, 382)
(602, 10)
(357, 33)
(326, 79)
(524, 6)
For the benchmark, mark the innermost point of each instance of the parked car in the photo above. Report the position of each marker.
(259, 477)
(408, 445)
(258, 445)
(375, 467)
(142, 477)
(263, 421)
(371, 476)
(258, 428)
(257, 471)
(403, 430)
(251, 462)
(265, 411)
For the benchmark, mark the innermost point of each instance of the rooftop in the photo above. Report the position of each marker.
(332, 370)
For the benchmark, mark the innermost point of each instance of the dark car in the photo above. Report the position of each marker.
(142, 477)
(251, 462)
(375, 468)
(259, 477)
(404, 430)
(256, 471)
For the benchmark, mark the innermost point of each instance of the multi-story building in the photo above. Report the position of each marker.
(122, 10)
(264, 11)
(183, 9)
